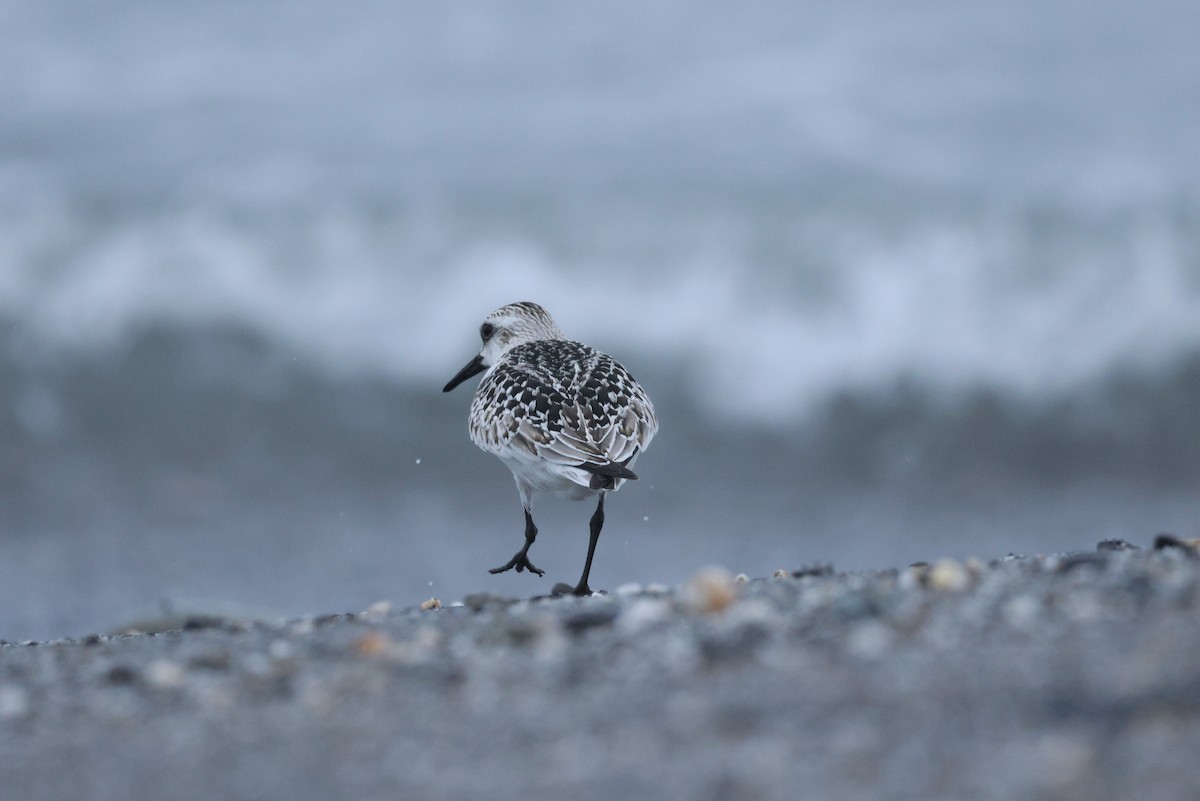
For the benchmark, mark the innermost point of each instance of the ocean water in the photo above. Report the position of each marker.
(903, 282)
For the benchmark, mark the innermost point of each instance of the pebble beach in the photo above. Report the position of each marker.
(1068, 676)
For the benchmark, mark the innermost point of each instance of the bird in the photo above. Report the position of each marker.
(564, 417)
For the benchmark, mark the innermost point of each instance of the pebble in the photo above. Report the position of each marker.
(710, 590)
(122, 674)
(379, 609)
(1115, 545)
(432, 603)
(14, 702)
(479, 600)
(869, 639)
(1022, 611)
(813, 571)
(756, 611)
(259, 666)
(281, 650)
(373, 644)
(1170, 541)
(590, 618)
(164, 674)
(1085, 559)
(912, 577)
(1060, 760)
(948, 575)
(643, 613)
(853, 672)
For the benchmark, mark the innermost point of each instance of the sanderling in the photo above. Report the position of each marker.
(564, 417)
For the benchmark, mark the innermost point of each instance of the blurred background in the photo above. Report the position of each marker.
(904, 280)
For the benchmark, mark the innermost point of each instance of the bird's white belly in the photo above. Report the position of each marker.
(543, 476)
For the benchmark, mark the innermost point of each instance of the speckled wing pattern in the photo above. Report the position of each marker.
(562, 402)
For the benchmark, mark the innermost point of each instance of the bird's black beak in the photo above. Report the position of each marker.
(474, 367)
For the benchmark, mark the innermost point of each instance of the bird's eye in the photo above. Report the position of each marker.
(486, 330)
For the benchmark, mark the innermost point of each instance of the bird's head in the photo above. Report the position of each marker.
(503, 330)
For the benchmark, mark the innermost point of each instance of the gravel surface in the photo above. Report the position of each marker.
(1072, 676)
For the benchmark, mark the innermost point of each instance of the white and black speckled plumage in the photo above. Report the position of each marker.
(563, 416)
(552, 405)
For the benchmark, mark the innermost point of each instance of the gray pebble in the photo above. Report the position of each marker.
(1068, 676)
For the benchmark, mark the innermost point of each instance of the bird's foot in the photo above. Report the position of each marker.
(521, 562)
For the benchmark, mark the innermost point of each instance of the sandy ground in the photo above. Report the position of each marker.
(1072, 676)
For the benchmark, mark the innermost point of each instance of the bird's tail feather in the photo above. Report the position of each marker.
(604, 476)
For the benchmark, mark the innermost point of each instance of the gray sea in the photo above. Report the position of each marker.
(904, 280)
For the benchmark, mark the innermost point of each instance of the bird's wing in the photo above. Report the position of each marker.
(594, 414)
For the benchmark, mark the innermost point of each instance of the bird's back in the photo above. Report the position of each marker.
(562, 403)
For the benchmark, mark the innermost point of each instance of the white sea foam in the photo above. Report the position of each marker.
(954, 305)
(788, 203)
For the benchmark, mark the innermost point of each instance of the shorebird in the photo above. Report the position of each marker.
(563, 416)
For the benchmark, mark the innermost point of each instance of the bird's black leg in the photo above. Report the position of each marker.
(520, 559)
(597, 523)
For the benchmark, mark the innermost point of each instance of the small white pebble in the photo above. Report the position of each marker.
(910, 578)
(870, 639)
(643, 613)
(741, 578)
(418, 461)
(1022, 611)
(432, 603)
(948, 575)
(379, 609)
(646, 519)
(14, 702)
(754, 610)
(164, 674)
(281, 650)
